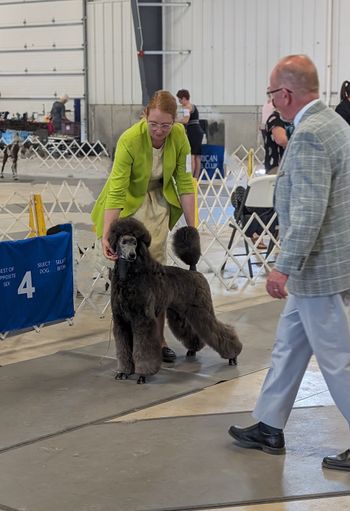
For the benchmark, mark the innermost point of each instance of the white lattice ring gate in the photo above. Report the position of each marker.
(229, 266)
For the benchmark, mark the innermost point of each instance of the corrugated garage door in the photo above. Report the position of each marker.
(42, 55)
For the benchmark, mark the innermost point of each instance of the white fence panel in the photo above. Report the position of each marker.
(229, 266)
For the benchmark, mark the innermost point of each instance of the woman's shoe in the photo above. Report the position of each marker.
(168, 355)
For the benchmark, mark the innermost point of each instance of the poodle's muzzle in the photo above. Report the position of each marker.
(126, 248)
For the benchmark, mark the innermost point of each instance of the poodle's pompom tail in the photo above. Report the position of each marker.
(187, 245)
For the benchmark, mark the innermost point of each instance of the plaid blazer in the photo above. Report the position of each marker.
(312, 199)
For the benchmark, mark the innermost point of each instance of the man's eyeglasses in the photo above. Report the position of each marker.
(164, 126)
(270, 92)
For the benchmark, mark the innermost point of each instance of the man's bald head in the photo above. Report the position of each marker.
(297, 73)
(294, 82)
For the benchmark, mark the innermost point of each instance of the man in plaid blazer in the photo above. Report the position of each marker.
(312, 199)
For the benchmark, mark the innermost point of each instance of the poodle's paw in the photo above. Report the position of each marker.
(232, 361)
(141, 379)
(191, 353)
(121, 376)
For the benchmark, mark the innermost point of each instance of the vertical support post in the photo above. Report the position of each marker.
(85, 121)
(149, 35)
(329, 38)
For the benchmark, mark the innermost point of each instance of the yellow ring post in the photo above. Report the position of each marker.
(196, 216)
(32, 228)
(39, 212)
(37, 223)
(250, 166)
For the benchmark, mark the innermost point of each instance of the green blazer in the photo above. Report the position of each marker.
(127, 184)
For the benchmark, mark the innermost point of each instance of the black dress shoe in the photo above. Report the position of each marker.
(339, 462)
(258, 437)
(168, 355)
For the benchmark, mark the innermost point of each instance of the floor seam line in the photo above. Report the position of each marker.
(95, 422)
(3, 507)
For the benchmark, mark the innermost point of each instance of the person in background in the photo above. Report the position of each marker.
(277, 133)
(58, 113)
(343, 108)
(313, 207)
(149, 182)
(266, 111)
(190, 118)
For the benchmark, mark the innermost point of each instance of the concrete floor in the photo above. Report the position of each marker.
(235, 395)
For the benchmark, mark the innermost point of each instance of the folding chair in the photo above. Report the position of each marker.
(257, 198)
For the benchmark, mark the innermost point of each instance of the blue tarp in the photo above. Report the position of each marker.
(36, 280)
(8, 136)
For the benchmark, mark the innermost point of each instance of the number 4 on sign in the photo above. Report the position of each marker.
(26, 287)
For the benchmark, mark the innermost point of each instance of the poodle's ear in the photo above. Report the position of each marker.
(114, 234)
(145, 237)
(137, 229)
(142, 249)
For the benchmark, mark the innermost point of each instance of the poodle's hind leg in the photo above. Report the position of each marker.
(146, 347)
(183, 331)
(124, 343)
(219, 336)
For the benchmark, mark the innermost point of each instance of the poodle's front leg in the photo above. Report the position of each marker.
(124, 343)
(146, 346)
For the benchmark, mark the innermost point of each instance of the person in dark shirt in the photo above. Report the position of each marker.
(190, 118)
(277, 133)
(58, 113)
(343, 108)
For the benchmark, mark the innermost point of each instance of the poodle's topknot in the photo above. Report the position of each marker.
(187, 246)
(128, 225)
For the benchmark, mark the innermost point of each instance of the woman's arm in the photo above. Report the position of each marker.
(188, 206)
(185, 116)
(115, 200)
(280, 136)
(119, 182)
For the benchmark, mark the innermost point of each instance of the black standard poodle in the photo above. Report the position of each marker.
(142, 289)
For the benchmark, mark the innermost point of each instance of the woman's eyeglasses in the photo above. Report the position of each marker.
(164, 126)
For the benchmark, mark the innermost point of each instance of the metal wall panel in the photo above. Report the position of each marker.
(113, 67)
(235, 43)
(340, 67)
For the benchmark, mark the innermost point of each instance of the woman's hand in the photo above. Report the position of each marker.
(107, 250)
(109, 217)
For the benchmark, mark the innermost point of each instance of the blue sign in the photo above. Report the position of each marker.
(36, 280)
(212, 158)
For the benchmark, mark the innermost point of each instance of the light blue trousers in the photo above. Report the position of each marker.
(308, 325)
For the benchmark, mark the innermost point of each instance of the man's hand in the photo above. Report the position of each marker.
(275, 285)
(107, 250)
